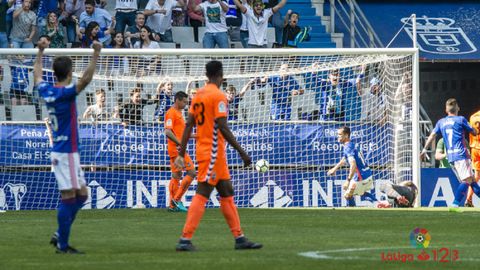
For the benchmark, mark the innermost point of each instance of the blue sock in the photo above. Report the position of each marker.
(475, 188)
(460, 193)
(369, 197)
(64, 218)
(351, 202)
(78, 205)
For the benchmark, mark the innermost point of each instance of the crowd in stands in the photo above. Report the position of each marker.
(75, 23)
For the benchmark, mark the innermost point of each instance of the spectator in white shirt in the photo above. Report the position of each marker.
(257, 21)
(98, 111)
(214, 12)
(159, 14)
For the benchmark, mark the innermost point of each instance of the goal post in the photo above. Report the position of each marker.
(285, 106)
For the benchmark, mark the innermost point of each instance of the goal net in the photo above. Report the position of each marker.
(285, 106)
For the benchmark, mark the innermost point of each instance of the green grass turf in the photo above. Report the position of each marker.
(145, 239)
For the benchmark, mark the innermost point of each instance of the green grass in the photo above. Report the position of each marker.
(145, 239)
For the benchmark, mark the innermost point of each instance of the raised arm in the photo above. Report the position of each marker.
(239, 5)
(88, 74)
(17, 12)
(287, 18)
(194, 6)
(279, 6)
(38, 66)
(246, 87)
(223, 5)
(228, 135)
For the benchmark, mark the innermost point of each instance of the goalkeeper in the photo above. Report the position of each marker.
(402, 195)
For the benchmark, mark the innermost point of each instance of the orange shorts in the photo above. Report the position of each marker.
(189, 165)
(219, 172)
(475, 159)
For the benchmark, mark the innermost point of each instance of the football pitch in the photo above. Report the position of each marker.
(292, 238)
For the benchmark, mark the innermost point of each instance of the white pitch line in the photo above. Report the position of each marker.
(322, 255)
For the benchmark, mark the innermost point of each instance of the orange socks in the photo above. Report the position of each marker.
(229, 210)
(194, 215)
(172, 189)
(186, 181)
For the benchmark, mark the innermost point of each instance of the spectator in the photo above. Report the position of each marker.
(146, 64)
(178, 16)
(99, 111)
(45, 7)
(71, 11)
(19, 84)
(93, 32)
(164, 99)
(257, 21)
(133, 32)
(196, 18)
(339, 100)
(243, 27)
(234, 99)
(4, 5)
(101, 16)
(24, 26)
(118, 64)
(146, 39)
(290, 29)
(125, 14)
(100, 3)
(375, 103)
(277, 21)
(284, 87)
(9, 18)
(214, 12)
(53, 30)
(159, 14)
(131, 112)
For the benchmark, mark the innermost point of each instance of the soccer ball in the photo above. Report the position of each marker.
(420, 238)
(262, 166)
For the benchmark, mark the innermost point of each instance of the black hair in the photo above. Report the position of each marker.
(88, 34)
(214, 69)
(180, 95)
(150, 36)
(90, 2)
(113, 43)
(62, 66)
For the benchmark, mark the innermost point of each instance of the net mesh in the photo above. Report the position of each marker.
(284, 108)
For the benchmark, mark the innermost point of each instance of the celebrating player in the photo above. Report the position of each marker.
(359, 178)
(475, 152)
(174, 126)
(402, 195)
(208, 112)
(60, 100)
(452, 128)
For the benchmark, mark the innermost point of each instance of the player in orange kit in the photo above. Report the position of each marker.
(475, 152)
(174, 126)
(208, 112)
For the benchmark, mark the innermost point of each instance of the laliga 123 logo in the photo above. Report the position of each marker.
(420, 238)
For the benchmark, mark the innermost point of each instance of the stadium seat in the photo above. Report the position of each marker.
(3, 116)
(44, 112)
(201, 33)
(182, 34)
(148, 113)
(24, 113)
(167, 45)
(270, 35)
(190, 45)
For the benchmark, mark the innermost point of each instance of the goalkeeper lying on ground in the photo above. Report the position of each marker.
(402, 195)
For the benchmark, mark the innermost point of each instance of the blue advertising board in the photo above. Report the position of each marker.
(281, 144)
(274, 189)
(446, 30)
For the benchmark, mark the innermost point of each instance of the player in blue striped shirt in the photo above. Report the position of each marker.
(453, 129)
(62, 109)
(359, 179)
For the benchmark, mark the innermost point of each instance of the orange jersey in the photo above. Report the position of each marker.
(209, 104)
(175, 122)
(475, 123)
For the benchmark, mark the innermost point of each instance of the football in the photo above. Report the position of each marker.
(262, 166)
